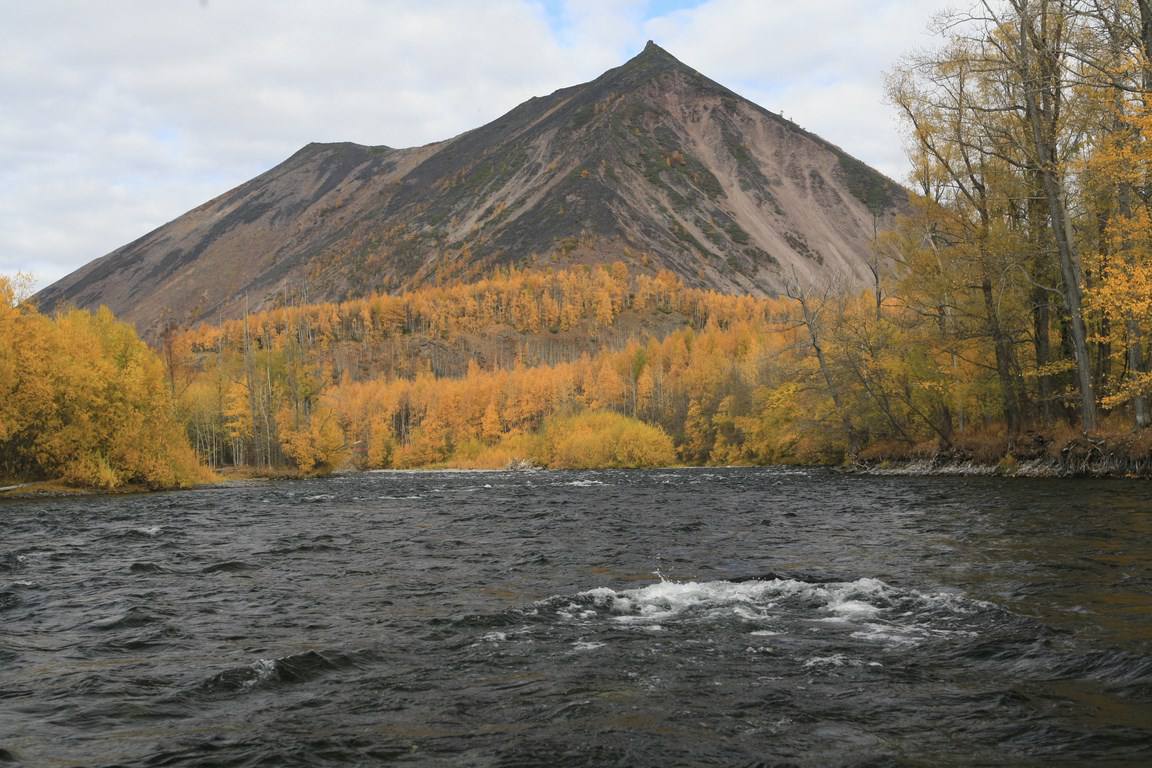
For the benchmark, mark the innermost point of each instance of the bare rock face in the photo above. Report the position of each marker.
(651, 164)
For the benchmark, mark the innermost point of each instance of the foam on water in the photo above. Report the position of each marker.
(263, 669)
(870, 608)
(835, 660)
(396, 637)
(586, 645)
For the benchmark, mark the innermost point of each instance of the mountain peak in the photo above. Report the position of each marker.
(652, 62)
(654, 54)
(652, 163)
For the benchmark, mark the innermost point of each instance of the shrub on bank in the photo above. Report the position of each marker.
(586, 440)
(598, 439)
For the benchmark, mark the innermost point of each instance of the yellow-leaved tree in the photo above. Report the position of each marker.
(598, 439)
(83, 400)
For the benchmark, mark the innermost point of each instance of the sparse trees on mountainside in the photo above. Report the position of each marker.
(740, 381)
(323, 412)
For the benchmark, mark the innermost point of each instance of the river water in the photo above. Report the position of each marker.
(688, 617)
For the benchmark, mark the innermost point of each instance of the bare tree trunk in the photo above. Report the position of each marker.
(1003, 346)
(874, 266)
(1000, 341)
(1042, 92)
(250, 380)
(1040, 300)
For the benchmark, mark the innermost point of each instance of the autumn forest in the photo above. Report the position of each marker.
(1009, 321)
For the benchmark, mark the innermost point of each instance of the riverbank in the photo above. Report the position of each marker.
(1033, 454)
(58, 488)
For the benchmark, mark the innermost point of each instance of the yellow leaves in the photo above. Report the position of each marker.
(491, 427)
(1125, 287)
(580, 298)
(92, 471)
(491, 417)
(1121, 156)
(697, 381)
(597, 439)
(429, 445)
(607, 389)
(312, 444)
(605, 311)
(237, 413)
(379, 444)
(1137, 384)
(1119, 294)
(645, 389)
(84, 400)
(696, 446)
(1054, 368)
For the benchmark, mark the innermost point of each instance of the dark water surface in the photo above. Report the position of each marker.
(515, 619)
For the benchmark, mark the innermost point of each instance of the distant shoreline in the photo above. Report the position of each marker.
(1047, 469)
(1035, 469)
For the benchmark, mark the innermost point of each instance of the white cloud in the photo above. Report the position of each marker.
(120, 116)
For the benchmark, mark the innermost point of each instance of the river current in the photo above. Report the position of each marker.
(754, 617)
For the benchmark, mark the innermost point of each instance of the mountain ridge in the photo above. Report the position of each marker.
(652, 163)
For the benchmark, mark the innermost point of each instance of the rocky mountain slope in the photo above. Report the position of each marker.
(652, 164)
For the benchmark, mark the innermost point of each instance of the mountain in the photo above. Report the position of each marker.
(651, 163)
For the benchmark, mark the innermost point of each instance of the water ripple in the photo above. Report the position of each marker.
(677, 617)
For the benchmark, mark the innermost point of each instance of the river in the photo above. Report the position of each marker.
(659, 618)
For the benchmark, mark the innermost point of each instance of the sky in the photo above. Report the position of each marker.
(120, 115)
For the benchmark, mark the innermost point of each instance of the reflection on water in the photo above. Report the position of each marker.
(705, 617)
